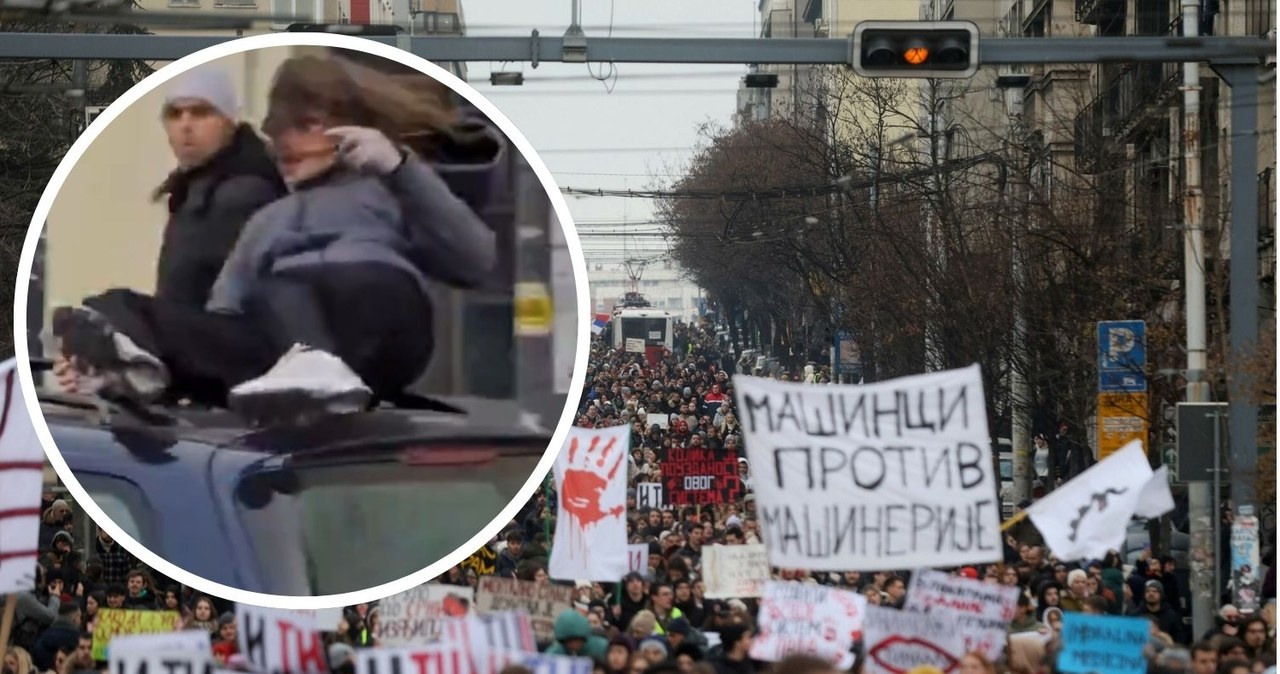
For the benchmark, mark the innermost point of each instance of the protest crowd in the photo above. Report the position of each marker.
(701, 594)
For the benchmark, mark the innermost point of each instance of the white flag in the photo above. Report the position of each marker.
(21, 473)
(1156, 498)
(1089, 515)
(591, 527)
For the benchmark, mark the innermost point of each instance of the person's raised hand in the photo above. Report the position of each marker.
(366, 150)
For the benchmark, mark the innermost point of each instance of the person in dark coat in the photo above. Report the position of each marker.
(63, 634)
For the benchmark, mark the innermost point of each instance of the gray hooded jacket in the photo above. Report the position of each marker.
(410, 219)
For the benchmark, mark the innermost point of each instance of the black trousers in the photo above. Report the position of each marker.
(374, 317)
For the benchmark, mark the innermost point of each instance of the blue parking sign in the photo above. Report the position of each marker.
(1122, 356)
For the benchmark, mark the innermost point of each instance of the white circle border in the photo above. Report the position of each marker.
(160, 77)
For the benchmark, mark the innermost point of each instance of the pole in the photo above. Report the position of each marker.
(1215, 499)
(6, 623)
(1019, 389)
(1200, 496)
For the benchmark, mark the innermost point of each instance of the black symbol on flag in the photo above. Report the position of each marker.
(1099, 499)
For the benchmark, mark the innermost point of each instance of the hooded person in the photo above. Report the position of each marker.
(322, 306)
(574, 637)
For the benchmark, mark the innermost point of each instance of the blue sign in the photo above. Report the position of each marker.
(1103, 643)
(1122, 356)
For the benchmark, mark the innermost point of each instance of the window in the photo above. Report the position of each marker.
(124, 504)
(195, 4)
(300, 11)
(236, 4)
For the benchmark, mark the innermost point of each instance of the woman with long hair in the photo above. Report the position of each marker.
(323, 305)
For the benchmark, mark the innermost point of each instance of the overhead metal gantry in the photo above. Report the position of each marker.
(535, 49)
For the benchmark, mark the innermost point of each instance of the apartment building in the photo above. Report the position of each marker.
(663, 284)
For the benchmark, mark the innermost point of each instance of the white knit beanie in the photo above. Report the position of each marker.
(211, 84)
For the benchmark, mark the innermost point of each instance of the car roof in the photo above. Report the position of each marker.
(481, 420)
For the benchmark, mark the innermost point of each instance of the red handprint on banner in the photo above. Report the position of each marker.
(588, 474)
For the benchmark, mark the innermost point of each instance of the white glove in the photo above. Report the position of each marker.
(366, 150)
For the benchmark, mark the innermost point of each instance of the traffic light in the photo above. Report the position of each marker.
(941, 49)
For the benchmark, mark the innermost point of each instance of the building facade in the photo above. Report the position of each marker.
(663, 284)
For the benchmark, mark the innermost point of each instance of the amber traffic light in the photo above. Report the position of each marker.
(942, 49)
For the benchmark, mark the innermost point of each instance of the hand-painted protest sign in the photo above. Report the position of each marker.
(415, 616)
(21, 470)
(638, 558)
(899, 641)
(493, 661)
(185, 652)
(438, 658)
(542, 602)
(278, 641)
(984, 610)
(1096, 643)
(508, 630)
(113, 622)
(649, 495)
(877, 477)
(735, 570)
(800, 618)
(591, 525)
(701, 476)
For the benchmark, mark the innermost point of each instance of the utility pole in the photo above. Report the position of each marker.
(1014, 86)
(1201, 497)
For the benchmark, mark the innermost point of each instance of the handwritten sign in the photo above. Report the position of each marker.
(278, 641)
(21, 465)
(983, 610)
(438, 658)
(187, 652)
(899, 641)
(648, 495)
(634, 345)
(638, 558)
(800, 618)
(701, 476)
(878, 477)
(735, 570)
(415, 616)
(508, 630)
(1095, 643)
(113, 622)
(542, 602)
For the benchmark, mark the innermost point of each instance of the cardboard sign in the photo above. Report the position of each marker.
(735, 570)
(415, 617)
(649, 495)
(188, 652)
(633, 345)
(899, 641)
(701, 476)
(638, 558)
(1103, 643)
(803, 618)
(541, 602)
(983, 610)
(277, 641)
(885, 476)
(113, 622)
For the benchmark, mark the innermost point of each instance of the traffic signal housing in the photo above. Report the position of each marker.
(915, 49)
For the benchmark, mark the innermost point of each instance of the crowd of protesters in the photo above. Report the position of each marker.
(661, 621)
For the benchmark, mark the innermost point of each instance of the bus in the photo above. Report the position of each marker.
(654, 326)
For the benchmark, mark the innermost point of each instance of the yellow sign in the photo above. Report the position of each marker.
(118, 621)
(534, 310)
(1122, 418)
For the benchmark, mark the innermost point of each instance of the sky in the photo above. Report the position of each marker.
(640, 135)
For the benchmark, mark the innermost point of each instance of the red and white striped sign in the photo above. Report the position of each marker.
(21, 472)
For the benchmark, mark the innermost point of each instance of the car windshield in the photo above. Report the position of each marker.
(368, 523)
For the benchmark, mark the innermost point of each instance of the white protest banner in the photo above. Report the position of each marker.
(735, 570)
(507, 631)
(634, 345)
(638, 558)
(186, 652)
(542, 603)
(591, 528)
(899, 641)
(659, 419)
(1089, 515)
(649, 495)
(278, 641)
(493, 661)
(439, 658)
(21, 480)
(983, 610)
(415, 617)
(801, 618)
(879, 477)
